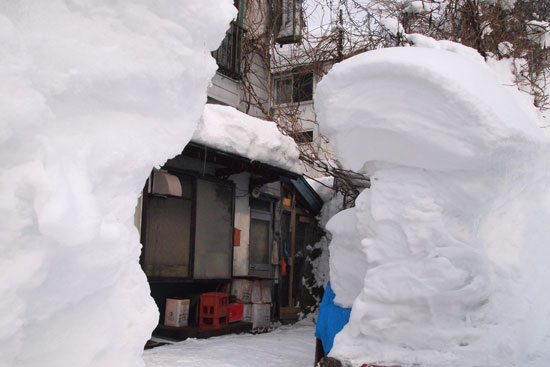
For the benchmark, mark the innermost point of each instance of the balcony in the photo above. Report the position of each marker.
(228, 55)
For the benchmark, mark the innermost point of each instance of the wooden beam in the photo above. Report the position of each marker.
(292, 250)
(297, 210)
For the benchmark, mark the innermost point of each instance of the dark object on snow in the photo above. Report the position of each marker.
(331, 319)
(319, 352)
(182, 333)
(329, 362)
(153, 344)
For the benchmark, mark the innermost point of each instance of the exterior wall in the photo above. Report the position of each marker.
(230, 91)
(241, 260)
(258, 80)
(272, 188)
(225, 90)
(242, 222)
(306, 112)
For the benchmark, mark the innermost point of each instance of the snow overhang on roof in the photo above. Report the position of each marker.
(230, 131)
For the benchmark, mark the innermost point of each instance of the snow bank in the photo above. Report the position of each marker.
(444, 259)
(332, 204)
(93, 95)
(227, 129)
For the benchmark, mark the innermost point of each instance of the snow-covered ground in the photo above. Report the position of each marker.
(289, 346)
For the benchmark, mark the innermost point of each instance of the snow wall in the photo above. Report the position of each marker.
(444, 259)
(93, 95)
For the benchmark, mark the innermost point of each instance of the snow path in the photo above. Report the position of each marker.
(291, 346)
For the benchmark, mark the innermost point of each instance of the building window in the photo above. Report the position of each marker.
(302, 137)
(294, 88)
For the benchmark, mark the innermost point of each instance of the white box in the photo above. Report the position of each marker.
(261, 315)
(266, 291)
(242, 290)
(176, 312)
(256, 296)
(247, 312)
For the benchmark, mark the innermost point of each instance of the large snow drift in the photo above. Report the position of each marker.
(444, 259)
(93, 94)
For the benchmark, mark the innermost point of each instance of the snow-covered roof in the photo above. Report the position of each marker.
(227, 129)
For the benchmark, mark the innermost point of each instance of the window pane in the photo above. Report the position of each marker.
(259, 241)
(303, 87)
(166, 250)
(214, 231)
(258, 204)
(302, 137)
(283, 88)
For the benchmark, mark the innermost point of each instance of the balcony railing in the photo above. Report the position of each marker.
(228, 55)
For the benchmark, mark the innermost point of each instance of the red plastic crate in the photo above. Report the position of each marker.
(213, 310)
(235, 312)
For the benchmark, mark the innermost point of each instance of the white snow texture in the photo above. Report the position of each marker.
(444, 259)
(93, 95)
(232, 131)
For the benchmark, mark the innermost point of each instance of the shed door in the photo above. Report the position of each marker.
(261, 237)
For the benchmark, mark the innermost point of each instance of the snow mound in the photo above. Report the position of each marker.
(430, 87)
(93, 95)
(227, 129)
(443, 259)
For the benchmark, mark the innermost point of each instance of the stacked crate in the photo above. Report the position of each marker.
(213, 310)
(255, 295)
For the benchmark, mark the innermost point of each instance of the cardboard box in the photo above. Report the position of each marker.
(256, 296)
(261, 315)
(242, 290)
(247, 312)
(266, 291)
(176, 312)
(261, 291)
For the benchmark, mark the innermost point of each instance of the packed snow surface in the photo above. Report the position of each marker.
(93, 95)
(232, 131)
(292, 346)
(444, 260)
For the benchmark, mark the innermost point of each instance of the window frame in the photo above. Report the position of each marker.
(294, 97)
(303, 136)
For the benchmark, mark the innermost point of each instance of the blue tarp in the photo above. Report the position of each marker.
(331, 319)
